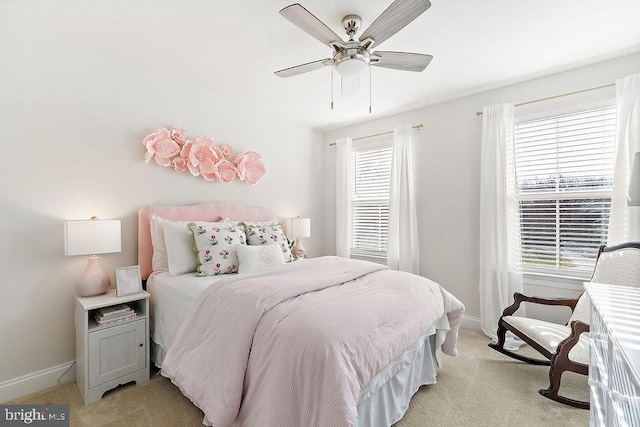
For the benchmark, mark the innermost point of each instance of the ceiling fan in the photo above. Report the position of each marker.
(351, 58)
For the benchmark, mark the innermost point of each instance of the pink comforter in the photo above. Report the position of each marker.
(294, 348)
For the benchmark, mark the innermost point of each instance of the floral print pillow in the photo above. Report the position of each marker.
(265, 233)
(216, 248)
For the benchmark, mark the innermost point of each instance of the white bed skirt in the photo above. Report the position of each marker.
(385, 399)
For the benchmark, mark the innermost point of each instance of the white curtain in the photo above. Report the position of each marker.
(402, 243)
(500, 265)
(623, 223)
(344, 178)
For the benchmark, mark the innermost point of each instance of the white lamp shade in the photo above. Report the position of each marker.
(633, 196)
(91, 236)
(351, 67)
(299, 227)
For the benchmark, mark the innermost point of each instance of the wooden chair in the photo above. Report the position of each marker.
(566, 347)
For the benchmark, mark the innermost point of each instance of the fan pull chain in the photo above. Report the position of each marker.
(369, 89)
(332, 87)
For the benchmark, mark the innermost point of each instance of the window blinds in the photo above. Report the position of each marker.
(370, 200)
(564, 176)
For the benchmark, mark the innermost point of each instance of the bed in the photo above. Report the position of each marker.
(324, 341)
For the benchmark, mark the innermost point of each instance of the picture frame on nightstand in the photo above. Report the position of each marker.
(128, 280)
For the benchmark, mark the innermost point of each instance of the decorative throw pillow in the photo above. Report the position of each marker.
(216, 246)
(256, 258)
(178, 241)
(264, 233)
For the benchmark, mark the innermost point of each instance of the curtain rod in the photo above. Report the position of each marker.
(479, 113)
(416, 127)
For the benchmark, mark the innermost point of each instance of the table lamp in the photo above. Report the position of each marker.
(297, 228)
(92, 237)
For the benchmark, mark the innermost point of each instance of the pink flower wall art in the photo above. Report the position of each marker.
(202, 157)
(250, 167)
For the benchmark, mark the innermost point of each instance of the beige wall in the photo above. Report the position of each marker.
(73, 115)
(447, 164)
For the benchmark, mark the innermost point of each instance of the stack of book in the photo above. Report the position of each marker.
(113, 314)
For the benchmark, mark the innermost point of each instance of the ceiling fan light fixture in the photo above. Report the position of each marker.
(354, 57)
(352, 61)
(351, 67)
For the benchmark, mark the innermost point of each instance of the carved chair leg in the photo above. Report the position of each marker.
(502, 333)
(555, 378)
(559, 364)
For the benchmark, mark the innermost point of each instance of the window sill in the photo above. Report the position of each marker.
(373, 258)
(555, 281)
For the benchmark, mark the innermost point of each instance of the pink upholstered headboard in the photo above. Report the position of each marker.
(199, 212)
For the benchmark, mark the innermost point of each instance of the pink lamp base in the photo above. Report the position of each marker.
(93, 280)
(298, 251)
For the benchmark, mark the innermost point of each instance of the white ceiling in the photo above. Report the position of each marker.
(233, 47)
(476, 45)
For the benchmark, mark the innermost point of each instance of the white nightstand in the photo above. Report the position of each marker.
(110, 355)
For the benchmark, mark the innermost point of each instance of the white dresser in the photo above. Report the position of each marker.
(614, 367)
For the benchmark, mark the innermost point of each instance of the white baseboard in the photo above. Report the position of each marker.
(470, 322)
(36, 381)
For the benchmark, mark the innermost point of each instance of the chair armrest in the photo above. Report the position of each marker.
(520, 298)
(565, 346)
(578, 327)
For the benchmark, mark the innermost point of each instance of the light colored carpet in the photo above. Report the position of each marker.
(479, 388)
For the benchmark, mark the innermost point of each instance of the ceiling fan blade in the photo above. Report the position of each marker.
(308, 23)
(349, 86)
(404, 61)
(398, 15)
(304, 68)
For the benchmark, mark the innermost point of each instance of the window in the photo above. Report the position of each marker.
(564, 179)
(370, 200)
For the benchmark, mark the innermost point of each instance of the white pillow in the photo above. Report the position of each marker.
(256, 258)
(216, 246)
(264, 233)
(180, 247)
(159, 260)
